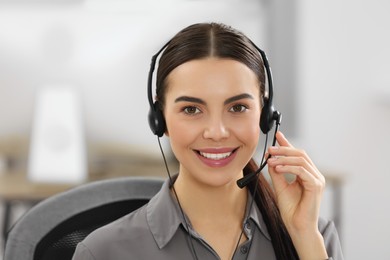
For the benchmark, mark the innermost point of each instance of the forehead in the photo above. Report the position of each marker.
(212, 76)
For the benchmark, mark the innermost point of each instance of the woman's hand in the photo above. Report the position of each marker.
(298, 200)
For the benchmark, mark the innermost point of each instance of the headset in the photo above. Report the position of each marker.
(156, 118)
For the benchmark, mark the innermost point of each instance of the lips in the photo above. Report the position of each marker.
(216, 157)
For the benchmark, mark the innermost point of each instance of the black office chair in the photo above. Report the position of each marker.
(52, 228)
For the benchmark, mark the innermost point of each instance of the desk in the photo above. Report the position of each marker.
(15, 187)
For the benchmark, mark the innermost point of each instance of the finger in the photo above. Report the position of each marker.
(282, 140)
(289, 152)
(287, 147)
(308, 180)
(295, 161)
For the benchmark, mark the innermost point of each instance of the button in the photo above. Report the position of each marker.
(248, 225)
(244, 249)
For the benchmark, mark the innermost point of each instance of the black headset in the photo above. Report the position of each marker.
(156, 118)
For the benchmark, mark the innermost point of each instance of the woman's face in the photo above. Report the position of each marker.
(212, 110)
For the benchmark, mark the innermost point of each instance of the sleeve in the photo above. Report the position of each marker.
(82, 253)
(331, 240)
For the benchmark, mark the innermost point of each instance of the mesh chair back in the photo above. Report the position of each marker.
(52, 229)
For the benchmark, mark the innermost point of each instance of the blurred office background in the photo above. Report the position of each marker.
(329, 58)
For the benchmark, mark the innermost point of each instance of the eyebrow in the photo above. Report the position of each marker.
(238, 97)
(190, 99)
(201, 101)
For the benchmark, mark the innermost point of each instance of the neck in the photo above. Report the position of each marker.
(215, 212)
(199, 200)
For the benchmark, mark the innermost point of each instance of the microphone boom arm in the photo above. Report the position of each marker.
(244, 181)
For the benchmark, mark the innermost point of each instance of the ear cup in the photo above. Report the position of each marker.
(267, 116)
(156, 120)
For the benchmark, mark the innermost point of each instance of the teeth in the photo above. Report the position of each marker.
(216, 156)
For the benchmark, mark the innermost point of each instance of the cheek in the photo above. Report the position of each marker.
(248, 130)
(180, 132)
(249, 133)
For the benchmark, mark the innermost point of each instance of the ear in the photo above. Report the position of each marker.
(166, 132)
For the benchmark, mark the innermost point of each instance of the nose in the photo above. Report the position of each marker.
(216, 129)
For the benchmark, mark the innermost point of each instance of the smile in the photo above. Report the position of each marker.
(219, 157)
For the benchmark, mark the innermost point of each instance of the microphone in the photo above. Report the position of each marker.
(244, 181)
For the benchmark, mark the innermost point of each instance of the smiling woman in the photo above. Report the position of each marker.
(210, 97)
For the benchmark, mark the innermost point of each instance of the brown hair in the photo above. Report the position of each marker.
(218, 40)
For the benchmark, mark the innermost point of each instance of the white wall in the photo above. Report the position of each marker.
(344, 84)
(103, 48)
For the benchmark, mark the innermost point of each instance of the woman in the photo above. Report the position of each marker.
(210, 90)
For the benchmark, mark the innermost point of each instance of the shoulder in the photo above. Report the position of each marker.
(331, 238)
(123, 226)
(139, 235)
(116, 239)
(325, 225)
(129, 227)
(327, 229)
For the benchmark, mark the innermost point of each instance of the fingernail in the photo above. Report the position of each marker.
(272, 159)
(274, 148)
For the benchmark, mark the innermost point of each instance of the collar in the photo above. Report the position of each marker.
(164, 216)
(253, 213)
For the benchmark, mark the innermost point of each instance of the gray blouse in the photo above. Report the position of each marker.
(158, 231)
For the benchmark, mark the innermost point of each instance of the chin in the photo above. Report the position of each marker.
(218, 179)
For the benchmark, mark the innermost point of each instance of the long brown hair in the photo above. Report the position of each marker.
(218, 40)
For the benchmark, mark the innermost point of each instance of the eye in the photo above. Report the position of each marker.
(239, 108)
(191, 110)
